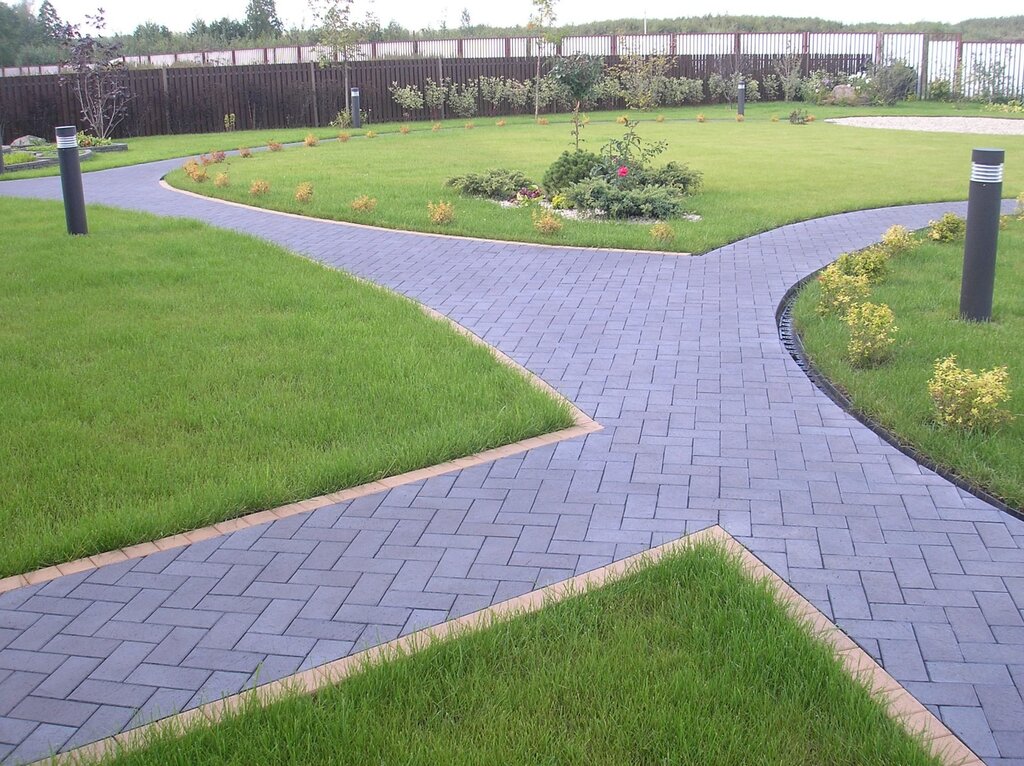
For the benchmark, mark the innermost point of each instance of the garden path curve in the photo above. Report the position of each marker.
(706, 420)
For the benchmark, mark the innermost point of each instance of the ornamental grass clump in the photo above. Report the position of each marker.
(662, 233)
(546, 222)
(441, 213)
(370, 134)
(275, 146)
(898, 240)
(195, 171)
(244, 152)
(872, 329)
(259, 187)
(221, 180)
(542, 120)
(949, 228)
(500, 123)
(364, 204)
(968, 400)
(304, 192)
(403, 129)
(839, 291)
(872, 263)
(343, 137)
(311, 140)
(1019, 212)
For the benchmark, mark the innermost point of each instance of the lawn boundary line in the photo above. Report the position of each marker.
(901, 706)
(616, 250)
(583, 424)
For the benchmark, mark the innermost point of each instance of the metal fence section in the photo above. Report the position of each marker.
(976, 69)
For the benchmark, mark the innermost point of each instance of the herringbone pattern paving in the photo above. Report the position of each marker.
(707, 420)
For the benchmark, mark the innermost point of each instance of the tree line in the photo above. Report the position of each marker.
(30, 37)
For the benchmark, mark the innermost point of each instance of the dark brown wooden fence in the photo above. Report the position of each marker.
(196, 99)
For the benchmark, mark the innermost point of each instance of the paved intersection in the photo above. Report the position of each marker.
(706, 420)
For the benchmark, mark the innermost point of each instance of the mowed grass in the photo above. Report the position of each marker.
(153, 148)
(923, 290)
(687, 661)
(160, 375)
(757, 175)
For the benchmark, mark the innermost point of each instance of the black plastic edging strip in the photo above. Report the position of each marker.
(794, 345)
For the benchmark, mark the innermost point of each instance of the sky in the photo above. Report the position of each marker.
(125, 15)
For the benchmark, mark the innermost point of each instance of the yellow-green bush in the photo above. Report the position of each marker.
(871, 263)
(304, 192)
(259, 187)
(898, 240)
(839, 291)
(949, 228)
(221, 180)
(969, 400)
(872, 333)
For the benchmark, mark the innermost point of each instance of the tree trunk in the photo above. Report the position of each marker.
(536, 89)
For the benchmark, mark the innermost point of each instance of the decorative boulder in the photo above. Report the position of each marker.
(27, 141)
(844, 94)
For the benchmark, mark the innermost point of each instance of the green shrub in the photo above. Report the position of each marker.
(19, 158)
(570, 168)
(892, 82)
(673, 175)
(968, 400)
(949, 228)
(940, 90)
(496, 183)
(597, 194)
(799, 117)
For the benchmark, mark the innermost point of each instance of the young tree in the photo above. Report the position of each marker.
(95, 71)
(541, 21)
(464, 21)
(579, 74)
(261, 19)
(336, 30)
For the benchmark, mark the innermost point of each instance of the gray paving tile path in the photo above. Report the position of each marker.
(707, 420)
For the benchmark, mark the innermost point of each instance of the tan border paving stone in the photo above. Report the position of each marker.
(901, 705)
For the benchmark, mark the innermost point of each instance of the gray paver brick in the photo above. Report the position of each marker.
(700, 427)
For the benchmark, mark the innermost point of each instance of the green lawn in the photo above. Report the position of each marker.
(923, 291)
(160, 375)
(758, 175)
(687, 661)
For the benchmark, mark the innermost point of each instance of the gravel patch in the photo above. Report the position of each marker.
(994, 126)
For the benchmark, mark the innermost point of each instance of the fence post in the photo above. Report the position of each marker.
(165, 92)
(922, 80)
(958, 67)
(615, 45)
(879, 49)
(312, 86)
(805, 54)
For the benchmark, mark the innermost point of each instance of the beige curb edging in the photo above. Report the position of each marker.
(186, 192)
(903, 707)
(583, 424)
